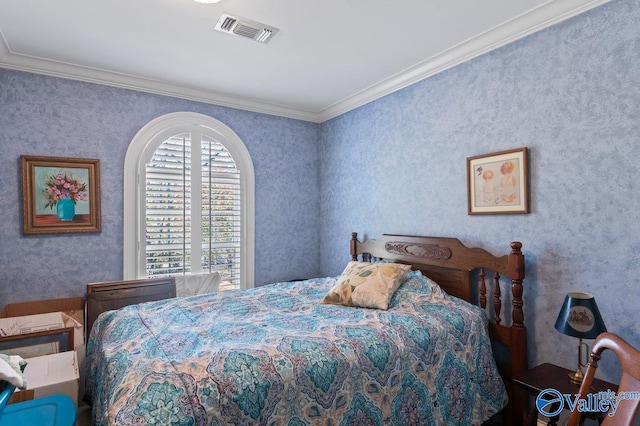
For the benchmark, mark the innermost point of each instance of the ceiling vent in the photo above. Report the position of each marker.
(245, 28)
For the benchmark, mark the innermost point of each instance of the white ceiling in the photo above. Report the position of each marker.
(329, 56)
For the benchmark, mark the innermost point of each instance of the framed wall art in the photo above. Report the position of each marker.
(38, 343)
(60, 195)
(498, 183)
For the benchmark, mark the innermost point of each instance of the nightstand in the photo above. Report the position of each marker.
(549, 376)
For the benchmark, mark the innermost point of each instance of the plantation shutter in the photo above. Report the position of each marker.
(220, 213)
(179, 240)
(168, 208)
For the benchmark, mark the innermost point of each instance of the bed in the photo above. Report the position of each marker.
(278, 355)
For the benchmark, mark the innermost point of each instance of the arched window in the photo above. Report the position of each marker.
(189, 201)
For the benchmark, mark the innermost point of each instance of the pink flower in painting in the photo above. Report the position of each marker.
(63, 185)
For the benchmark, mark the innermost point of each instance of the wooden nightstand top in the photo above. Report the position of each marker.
(546, 376)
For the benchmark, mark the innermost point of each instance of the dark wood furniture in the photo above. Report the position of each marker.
(629, 358)
(107, 296)
(550, 376)
(474, 275)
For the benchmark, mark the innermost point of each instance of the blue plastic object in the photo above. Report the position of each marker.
(54, 410)
(5, 394)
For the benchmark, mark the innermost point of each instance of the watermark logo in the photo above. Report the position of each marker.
(550, 402)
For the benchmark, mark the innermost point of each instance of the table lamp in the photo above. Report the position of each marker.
(579, 317)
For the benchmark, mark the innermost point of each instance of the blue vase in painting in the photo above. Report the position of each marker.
(65, 209)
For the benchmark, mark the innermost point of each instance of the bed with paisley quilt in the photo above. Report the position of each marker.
(295, 353)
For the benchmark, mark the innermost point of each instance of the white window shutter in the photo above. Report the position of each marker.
(171, 191)
(221, 221)
(168, 209)
(189, 202)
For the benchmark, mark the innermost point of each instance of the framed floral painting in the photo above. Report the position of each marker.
(498, 183)
(60, 195)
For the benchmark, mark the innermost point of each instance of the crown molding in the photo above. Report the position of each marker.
(17, 62)
(546, 15)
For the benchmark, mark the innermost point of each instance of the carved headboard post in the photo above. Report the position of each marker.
(518, 331)
(516, 272)
(354, 246)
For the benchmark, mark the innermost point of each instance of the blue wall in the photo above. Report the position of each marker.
(571, 94)
(56, 117)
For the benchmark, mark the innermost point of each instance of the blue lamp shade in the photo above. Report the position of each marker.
(580, 317)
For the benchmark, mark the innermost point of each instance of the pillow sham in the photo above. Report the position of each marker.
(367, 285)
(416, 285)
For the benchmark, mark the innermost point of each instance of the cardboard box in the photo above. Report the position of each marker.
(72, 310)
(21, 396)
(30, 324)
(53, 374)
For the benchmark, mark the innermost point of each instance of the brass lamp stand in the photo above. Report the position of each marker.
(578, 376)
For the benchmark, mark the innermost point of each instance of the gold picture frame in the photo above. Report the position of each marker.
(498, 183)
(60, 195)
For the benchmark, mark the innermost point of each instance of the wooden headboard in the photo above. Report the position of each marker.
(110, 295)
(472, 274)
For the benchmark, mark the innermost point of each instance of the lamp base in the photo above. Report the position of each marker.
(576, 377)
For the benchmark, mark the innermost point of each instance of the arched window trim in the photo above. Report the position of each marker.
(155, 132)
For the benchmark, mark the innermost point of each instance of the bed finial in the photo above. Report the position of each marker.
(516, 272)
(354, 246)
(518, 331)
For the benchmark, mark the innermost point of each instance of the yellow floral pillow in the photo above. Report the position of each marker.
(367, 285)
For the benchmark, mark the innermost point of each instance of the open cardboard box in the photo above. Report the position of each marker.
(51, 375)
(72, 312)
(30, 324)
(42, 315)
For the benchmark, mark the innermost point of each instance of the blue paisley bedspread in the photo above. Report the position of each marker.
(274, 355)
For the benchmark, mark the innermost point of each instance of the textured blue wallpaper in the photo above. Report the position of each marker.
(56, 117)
(571, 94)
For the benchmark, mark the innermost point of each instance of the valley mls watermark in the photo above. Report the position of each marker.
(550, 402)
